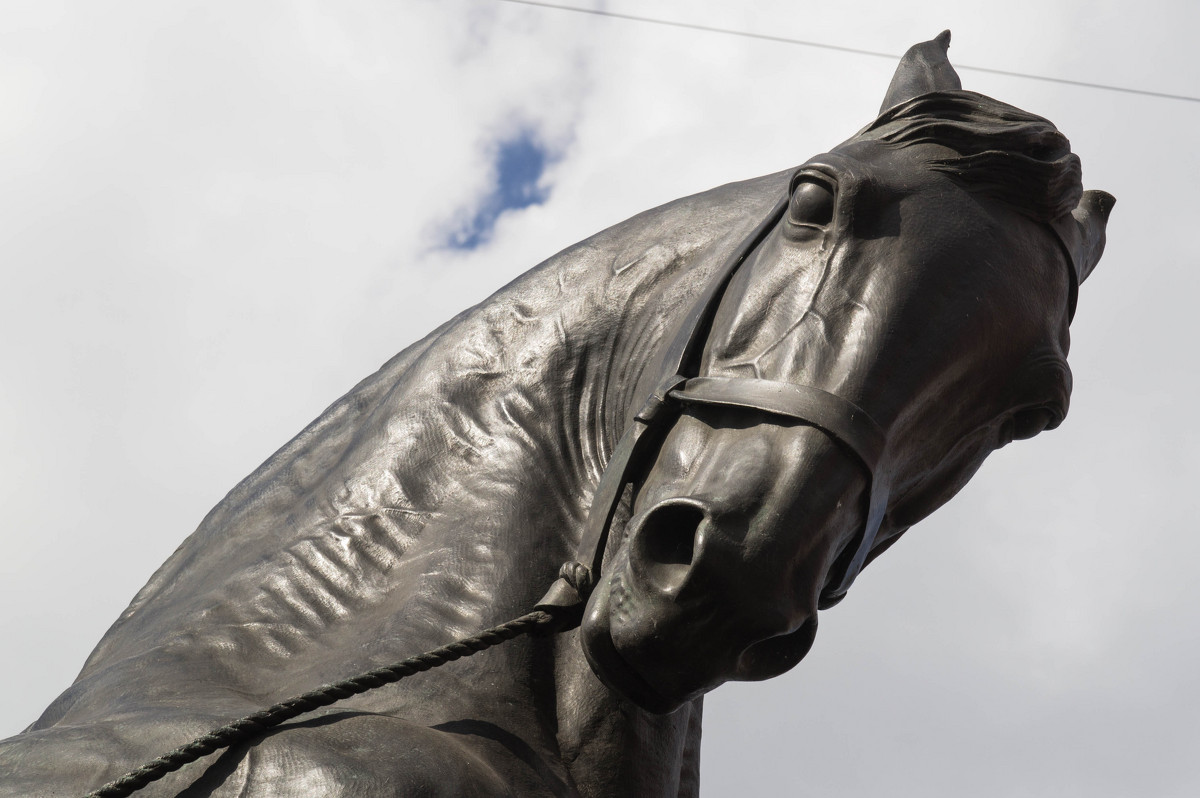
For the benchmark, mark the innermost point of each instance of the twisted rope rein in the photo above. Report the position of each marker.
(546, 619)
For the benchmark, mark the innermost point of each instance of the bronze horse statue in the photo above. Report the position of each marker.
(810, 362)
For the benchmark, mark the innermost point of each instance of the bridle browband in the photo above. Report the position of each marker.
(837, 417)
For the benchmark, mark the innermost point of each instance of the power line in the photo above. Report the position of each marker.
(838, 48)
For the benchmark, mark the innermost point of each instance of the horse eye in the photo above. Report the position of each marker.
(812, 202)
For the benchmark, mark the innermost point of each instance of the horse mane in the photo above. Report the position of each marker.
(1003, 152)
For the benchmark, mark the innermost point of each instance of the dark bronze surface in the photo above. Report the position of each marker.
(915, 289)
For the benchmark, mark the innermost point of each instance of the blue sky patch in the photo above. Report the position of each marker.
(518, 167)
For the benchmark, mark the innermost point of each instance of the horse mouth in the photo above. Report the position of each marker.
(616, 672)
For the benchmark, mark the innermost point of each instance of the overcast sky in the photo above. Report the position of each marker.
(216, 217)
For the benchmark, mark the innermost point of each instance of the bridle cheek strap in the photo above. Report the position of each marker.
(576, 579)
(837, 417)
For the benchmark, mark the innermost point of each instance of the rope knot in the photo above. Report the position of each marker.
(565, 599)
(578, 576)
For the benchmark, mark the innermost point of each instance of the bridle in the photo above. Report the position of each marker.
(834, 415)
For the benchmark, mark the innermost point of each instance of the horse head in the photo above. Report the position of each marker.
(904, 313)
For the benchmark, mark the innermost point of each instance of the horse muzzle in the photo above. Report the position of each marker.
(660, 637)
(721, 569)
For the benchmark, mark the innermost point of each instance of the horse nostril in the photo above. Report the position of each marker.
(666, 542)
(775, 655)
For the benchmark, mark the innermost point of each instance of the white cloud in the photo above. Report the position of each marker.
(214, 219)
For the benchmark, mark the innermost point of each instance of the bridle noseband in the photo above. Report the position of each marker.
(837, 417)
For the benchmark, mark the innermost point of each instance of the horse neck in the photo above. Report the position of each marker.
(439, 497)
(518, 401)
(468, 459)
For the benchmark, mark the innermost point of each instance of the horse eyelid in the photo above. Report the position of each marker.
(822, 179)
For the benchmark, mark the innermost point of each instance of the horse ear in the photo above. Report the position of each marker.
(1091, 214)
(1082, 231)
(924, 68)
(1082, 234)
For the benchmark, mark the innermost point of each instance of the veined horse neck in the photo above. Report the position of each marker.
(420, 508)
